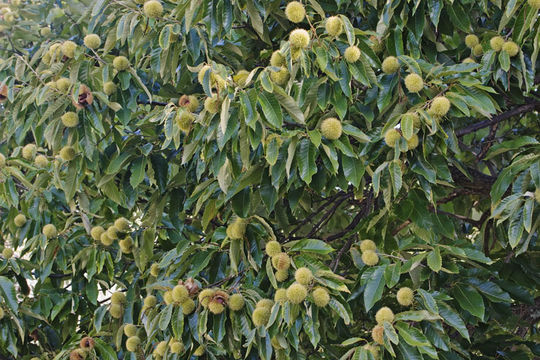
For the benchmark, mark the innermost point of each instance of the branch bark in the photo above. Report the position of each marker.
(529, 106)
(328, 214)
(363, 212)
(478, 183)
(343, 249)
(310, 218)
(152, 103)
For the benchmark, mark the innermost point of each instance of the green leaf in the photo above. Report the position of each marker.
(235, 253)
(193, 7)
(310, 245)
(317, 7)
(98, 6)
(374, 281)
(177, 323)
(353, 169)
(506, 176)
(311, 328)
(59, 306)
(408, 352)
(490, 290)
(289, 104)
(105, 351)
(133, 73)
(165, 317)
(451, 317)
(513, 144)
(395, 173)
(92, 291)
(99, 314)
(270, 273)
(411, 335)
(392, 274)
(224, 114)
(469, 299)
(340, 309)
(504, 60)
(429, 301)
(272, 151)
(271, 109)
(305, 160)
(256, 20)
(7, 291)
(390, 333)
(117, 162)
(458, 17)
(416, 315)
(349, 29)
(241, 202)
(407, 127)
(315, 137)
(146, 248)
(71, 181)
(225, 176)
(435, 8)
(137, 172)
(165, 37)
(434, 259)
(356, 133)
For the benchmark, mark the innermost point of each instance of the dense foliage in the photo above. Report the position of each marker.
(252, 179)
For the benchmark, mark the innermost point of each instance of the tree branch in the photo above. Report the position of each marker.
(328, 215)
(363, 212)
(477, 183)
(151, 103)
(456, 216)
(529, 106)
(445, 200)
(343, 249)
(488, 142)
(402, 226)
(309, 218)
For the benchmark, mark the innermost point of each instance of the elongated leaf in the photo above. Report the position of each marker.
(7, 291)
(340, 309)
(469, 299)
(289, 104)
(271, 109)
(305, 160)
(434, 260)
(353, 169)
(411, 335)
(451, 317)
(311, 245)
(374, 286)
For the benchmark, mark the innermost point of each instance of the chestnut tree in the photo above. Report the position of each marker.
(262, 179)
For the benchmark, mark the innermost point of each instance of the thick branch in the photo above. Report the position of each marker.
(518, 110)
(479, 183)
(152, 103)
